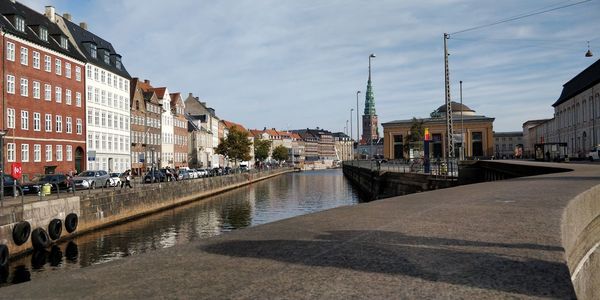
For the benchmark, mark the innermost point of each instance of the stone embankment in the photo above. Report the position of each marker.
(99, 209)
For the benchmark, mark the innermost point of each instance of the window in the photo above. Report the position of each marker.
(110, 120)
(103, 142)
(110, 138)
(79, 126)
(37, 152)
(67, 70)
(118, 62)
(68, 97)
(102, 76)
(48, 123)
(93, 51)
(96, 95)
(58, 123)
(96, 74)
(24, 56)
(90, 117)
(110, 79)
(90, 142)
(20, 24)
(10, 151)
(24, 120)
(59, 153)
(106, 58)
(78, 99)
(36, 90)
(69, 125)
(43, 33)
(24, 87)
(48, 152)
(25, 152)
(120, 83)
(110, 99)
(58, 66)
(10, 118)
(36, 60)
(36, 121)
(64, 43)
(47, 63)
(103, 97)
(47, 92)
(77, 73)
(103, 119)
(69, 153)
(10, 84)
(58, 94)
(10, 51)
(97, 118)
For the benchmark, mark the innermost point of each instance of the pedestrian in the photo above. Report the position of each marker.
(126, 179)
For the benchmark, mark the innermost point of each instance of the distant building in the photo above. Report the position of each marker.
(343, 146)
(146, 126)
(531, 131)
(368, 150)
(370, 121)
(180, 131)
(205, 117)
(505, 143)
(476, 132)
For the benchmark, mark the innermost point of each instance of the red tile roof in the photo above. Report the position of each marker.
(160, 92)
(229, 124)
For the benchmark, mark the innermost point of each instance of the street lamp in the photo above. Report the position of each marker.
(2, 135)
(371, 127)
(351, 112)
(462, 127)
(152, 169)
(357, 123)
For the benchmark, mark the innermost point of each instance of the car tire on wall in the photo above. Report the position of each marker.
(71, 222)
(3, 256)
(55, 229)
(40, 239)
(21, 233)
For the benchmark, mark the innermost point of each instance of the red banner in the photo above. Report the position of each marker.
(16, 170)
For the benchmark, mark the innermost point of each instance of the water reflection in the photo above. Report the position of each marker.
(263, 202)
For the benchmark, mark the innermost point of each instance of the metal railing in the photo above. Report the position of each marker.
(442, 168)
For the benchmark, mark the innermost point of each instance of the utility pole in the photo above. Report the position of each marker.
(449, 129)
(462, 127)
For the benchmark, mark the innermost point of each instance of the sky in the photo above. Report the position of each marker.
(298, 64)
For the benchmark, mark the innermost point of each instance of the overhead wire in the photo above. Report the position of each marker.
(522, 16)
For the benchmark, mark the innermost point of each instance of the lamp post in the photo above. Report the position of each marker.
(350, 132)
(2, 135)
(357, 123)
(462, 127)
(152, 168)
(371, 126)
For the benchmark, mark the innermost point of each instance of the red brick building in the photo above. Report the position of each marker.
(146, 140)
(43, 111)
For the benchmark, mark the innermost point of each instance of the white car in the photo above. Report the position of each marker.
(115, 179)
(193, 174)
(594, 154)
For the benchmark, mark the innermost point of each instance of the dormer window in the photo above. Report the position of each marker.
(43, 34)
(118, 62)
(20, 24)
(93, 51)
(106, 58)
(64, 43)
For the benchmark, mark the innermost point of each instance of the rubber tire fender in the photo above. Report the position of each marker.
(21, 233)
(40, 239)
(71, 222)
(3, 256)
(55, 229)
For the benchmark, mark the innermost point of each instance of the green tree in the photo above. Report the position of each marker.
(235, 145)
(280, 153)
(261, 149)
(414, 139)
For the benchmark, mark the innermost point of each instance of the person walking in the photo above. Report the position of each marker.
(126, 179)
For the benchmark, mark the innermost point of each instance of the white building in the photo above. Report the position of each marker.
(205, 117)
(167, 131)
(106, 100)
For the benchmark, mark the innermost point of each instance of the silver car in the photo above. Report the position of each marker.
(91, 179)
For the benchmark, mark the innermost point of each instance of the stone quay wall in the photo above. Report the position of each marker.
(112, 206)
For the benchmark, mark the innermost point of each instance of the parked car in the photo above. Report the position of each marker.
(218, 171)
(183, 174)
(91, 179)
(594, 153)
(115, 179)
(35, 185)
(169, 173)
(203, 172)
(9, 183)
(158, 176)
(192, 173)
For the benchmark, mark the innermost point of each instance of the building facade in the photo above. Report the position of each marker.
(507, 144)
(180, 131)
(205, 117)
(43, 114)
(475, 130)
(106, 99)
(343, 146)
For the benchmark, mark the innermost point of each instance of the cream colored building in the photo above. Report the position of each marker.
(477, 131)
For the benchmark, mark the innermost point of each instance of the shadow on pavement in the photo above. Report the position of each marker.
(432, 259)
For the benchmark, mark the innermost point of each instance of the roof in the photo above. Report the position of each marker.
(160, 92)
(83, 36)
(442, 120)
(229, 125)
(584, 80)
(33, 19)
(256, 132)
(508, 134)
(456, 107)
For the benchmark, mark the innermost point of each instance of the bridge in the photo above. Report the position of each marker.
(525, 237)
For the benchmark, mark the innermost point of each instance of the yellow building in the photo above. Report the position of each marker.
(477, 129)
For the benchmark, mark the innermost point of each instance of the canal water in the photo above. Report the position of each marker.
(282, 197)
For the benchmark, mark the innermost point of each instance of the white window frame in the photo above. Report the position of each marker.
(10, 51)
(67, 69)
(24, 152)
(47, 63)
(37, 121)
(69, 153)
(10, 84)
(36, 90)
(24, 56)
(36, 60)
(58, 94)
(47, 92)
(49, 153)
(10, 152)
(79, 126)
(58, 122)
(37, 152)
(24, 88)
(77, 73)
(10, 118)
(48, 122)
(58, 66)
(24, 120)
(59, 153)
(69, 125)
(78, 99)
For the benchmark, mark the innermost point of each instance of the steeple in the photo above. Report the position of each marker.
(369, 98)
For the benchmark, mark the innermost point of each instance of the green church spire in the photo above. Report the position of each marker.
(369, 98)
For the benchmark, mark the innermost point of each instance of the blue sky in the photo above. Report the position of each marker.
(298, 64)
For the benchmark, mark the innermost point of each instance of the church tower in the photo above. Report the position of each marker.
(369, 118)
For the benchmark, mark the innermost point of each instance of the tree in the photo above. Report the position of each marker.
(415, 137)
(280, 153)
(235, 145)
(261, 149)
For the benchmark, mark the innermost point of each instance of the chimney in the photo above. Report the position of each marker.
(50, 13)
(83, 25)
(146, 81)
(67, 16)
(190, 95)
